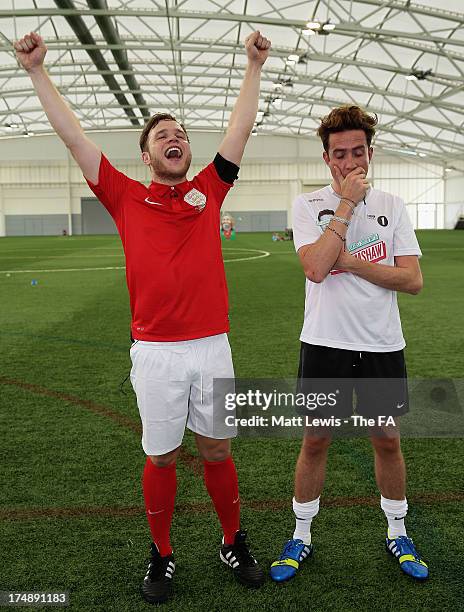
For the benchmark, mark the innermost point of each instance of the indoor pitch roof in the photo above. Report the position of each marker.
(119, 61)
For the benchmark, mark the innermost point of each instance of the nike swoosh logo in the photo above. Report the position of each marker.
(148, 201)
(236, 500)
(155, 512)
(399, 405)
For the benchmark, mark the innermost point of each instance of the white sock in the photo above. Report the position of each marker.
(395, 510)
(304, 514)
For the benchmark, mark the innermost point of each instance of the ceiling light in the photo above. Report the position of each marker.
(293, 57)
(422, 154)
(259, 116)
(254, 132)
(411, 77)
(449, 169)
(278, 85)
(328, 27)
(308, 32)
(313, 25)
(403, 151)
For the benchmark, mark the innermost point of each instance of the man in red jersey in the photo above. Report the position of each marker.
(178, 297)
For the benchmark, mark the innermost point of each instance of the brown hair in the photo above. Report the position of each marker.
(347, 118)
(154, 120)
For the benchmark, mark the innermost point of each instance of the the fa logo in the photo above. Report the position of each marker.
(196, 199)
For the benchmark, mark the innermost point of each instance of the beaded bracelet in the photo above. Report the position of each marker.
(335, 232)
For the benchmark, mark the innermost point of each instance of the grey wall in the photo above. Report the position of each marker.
(76, 224)
(95, 218)
(35, 225)
(262, 221)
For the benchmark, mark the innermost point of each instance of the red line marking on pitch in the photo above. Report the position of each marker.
(18, 514)
(118, 418)
(190, 461)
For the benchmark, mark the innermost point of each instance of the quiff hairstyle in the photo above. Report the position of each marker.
(347, 118)
(151, 123)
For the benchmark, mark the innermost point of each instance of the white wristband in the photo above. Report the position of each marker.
(341, 220)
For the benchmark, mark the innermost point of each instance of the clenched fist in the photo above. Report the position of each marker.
(354, 185)
(257, 47)
(30, 51)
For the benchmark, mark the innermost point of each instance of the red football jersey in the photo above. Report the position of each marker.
(174, 267)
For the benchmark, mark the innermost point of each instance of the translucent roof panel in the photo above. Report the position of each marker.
(119, 61)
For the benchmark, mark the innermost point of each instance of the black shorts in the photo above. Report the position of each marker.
(378, 380)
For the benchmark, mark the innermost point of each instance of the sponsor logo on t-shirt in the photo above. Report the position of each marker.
(196, 199)
(370, 249)
(354, 246)
(324, 217)
(373, 253)
(148, 201)
(383, 221)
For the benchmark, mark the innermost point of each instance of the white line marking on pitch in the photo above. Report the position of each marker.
(61, 270)
(259, 256)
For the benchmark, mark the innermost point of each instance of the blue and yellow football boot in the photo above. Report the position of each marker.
(294, 553)
(409, 559)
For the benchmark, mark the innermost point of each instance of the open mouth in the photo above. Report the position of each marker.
(173, 153)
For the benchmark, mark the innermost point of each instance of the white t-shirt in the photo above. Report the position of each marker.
(345, 311)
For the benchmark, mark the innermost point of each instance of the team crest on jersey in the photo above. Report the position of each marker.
(196, 199)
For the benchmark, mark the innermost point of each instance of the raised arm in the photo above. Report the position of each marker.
(244, 112)
(30, 51)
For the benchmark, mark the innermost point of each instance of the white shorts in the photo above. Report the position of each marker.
(173, 382)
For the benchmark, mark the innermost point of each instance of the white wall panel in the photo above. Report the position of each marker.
(249, 196)
(451, 214)
(36, 179)
(32, 173)
(413, 190)
(33, 201)
(454, 187)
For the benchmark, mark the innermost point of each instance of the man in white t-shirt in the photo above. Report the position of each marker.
(357, 248)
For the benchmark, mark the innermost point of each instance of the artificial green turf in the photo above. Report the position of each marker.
(70, 334)
(100, 561)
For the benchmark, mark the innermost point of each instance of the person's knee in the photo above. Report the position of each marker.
(216, 454)
(166, 459)
(388, 446)
(314, 445)
(212, 449)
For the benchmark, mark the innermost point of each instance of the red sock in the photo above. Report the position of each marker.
(159, 490)
(222, 484)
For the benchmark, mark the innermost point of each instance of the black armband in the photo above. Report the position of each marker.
(227, 171)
